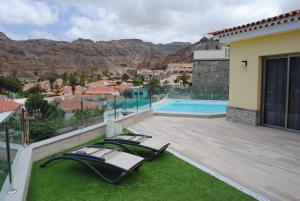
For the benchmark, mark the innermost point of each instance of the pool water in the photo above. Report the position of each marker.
(186, 106)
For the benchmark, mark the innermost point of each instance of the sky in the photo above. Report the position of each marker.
(157, 21)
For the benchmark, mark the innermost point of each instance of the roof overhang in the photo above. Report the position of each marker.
(279, 24)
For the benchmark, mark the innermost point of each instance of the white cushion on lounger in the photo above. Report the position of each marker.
(87, 150)
(154, 144)
(124, 160)
(102, 152)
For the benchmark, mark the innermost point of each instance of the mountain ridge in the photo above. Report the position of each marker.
(44, 55)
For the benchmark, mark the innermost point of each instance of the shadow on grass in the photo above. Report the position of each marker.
(166, 178)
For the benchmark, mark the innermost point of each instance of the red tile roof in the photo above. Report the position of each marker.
(8, 105)
(100, 90)
(75, 104)
(282, 16)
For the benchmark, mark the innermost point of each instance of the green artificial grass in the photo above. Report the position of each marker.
(3, 172)
(166, 178)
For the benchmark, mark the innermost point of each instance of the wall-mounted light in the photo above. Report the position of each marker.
(244, 63)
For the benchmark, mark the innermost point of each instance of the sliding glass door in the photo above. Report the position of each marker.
(275, 91)
(281, 92)
(294, 97)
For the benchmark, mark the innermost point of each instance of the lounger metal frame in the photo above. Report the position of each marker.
(85, 160)
(121, 142)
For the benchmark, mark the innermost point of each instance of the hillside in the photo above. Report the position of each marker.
(44, 56)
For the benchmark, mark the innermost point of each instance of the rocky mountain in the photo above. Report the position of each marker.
(173, 47)
(44, 56)
(185, 54)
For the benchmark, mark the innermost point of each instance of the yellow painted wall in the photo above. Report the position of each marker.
(245, 82)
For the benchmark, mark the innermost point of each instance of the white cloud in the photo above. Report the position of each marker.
(158, 21)
(30, 12)
(167, 20)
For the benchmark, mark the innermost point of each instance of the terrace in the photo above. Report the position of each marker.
(209, 158)
(219, 159)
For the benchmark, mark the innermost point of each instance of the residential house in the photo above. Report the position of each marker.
(264, 87)
(179, 68)
(71, 105)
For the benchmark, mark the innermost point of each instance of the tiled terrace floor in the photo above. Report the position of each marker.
(265, 160)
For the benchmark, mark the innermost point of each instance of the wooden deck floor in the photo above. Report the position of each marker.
(262, 159)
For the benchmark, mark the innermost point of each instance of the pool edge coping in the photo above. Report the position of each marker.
(189, 114)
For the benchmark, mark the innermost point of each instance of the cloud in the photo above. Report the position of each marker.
(158, 21)
(30, 12)
(167, 20)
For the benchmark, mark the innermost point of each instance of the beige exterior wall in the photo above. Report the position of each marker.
(245, 82)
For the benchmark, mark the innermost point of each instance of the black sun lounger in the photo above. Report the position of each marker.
(114, 158)
(139, 140)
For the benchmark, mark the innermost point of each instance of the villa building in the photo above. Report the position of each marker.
(71, 105)
(100, 90)
(264, 87)
(179, 68)
(210, 70)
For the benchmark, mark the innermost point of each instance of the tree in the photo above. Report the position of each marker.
(98, 77)
(153, 86)
(35, 104)
(118, 74)
(138, 79)
(125, 77)
(73, 82)
(52, 77)
(105, 73)
(14, 72)
(65, 77)
(36, 89)
(52, 111)
(82, 78)
(36, 72)
(10, 83)
(184, 78)
(123, 65)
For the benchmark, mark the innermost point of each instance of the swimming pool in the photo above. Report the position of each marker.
(192, 106)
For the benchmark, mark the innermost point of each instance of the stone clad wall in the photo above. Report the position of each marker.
(210, 79)
(250, 117)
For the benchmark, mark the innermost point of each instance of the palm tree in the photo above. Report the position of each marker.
(51, 78)
(152, 86)
(184, 78)
(123, 66)
(73, 82)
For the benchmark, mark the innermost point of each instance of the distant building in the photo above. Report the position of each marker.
(179, 68)
(100, 90)
(100, 83)
(9, 105)
(210, 70)
(71, 105)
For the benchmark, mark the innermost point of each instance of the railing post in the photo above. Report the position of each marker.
(81, 112)
(137, 101)
(11, 189)
(27, 139)
(23, 127)
(115, 106)
(150, 98)
(125, 101)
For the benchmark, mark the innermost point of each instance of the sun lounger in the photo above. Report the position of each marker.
(139, 140)
(91, 155)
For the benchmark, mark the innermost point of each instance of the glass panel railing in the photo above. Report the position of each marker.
(11, 136)
(3, 155)
(68, 115)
